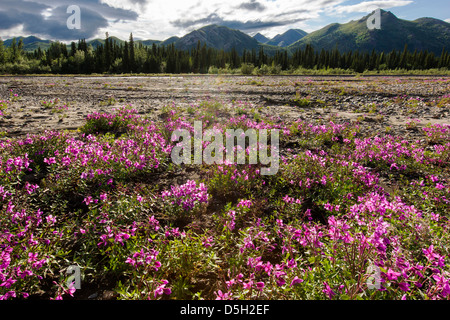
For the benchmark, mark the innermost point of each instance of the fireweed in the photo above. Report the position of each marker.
(213, 152)
(185, 197)
(103, 199)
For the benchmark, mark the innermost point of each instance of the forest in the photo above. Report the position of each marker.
(134, 57)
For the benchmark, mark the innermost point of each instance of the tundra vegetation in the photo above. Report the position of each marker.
(108, 199)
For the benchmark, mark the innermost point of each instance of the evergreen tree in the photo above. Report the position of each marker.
(14, 51)
(82, 45)
(309, 57)
(73, 48)
(403, 58)
(135, 57)
(373, 61)
(261, 57)
(285, 61)
(2, 52)
(132, 54)
(322, 63)
(89, 61)
(414, 58)
(108, 50)
(429, 60)
(234, 59)
(99, 59)
(20, 49)
(442, 58)
(126, 58)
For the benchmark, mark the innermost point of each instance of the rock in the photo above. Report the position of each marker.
(109, 295)
(93, 296)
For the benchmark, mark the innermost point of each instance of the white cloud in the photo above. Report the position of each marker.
(16, 31)
(162, 19)
(447, 20)
(369, 6)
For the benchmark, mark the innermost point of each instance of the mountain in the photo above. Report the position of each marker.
(218, 37)
(213, 36)
(421, 34)
(169, 41)
(146, 43)
(96, 42)
(260, 38)
(287, 38)
(30, 43)
(149, 43)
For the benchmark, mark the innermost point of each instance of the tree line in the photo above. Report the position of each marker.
(133, 57)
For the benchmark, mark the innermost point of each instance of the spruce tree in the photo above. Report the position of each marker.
(442, 58)
(126, 58)
(2, 52)
(107, 52)
(132, 54)
(13, 50)
(403, 58)
(20, 48)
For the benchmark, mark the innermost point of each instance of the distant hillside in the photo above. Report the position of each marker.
(421, 34)
(149, 43)
(169, 41)
(30, 43)
(260, 38)
(218, 37)
(287, 38)
(96, 42)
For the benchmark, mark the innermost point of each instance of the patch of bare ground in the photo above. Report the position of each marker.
(377, 103)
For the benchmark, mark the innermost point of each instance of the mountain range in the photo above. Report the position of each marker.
(420, 34)
(218, 37)
(282, 40)
(30, 43)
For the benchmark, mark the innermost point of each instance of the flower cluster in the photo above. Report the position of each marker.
(187, 196)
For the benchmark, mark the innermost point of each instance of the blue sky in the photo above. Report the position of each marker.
(439, 9)
(156, 19)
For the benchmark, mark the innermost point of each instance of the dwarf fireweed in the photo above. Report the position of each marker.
(340, 206)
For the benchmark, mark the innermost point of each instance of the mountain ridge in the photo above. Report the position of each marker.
(287, 38)
(421, 34)
(218, 37)
(261, 38)
(425, 33)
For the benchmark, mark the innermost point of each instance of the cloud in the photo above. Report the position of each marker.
(246, 26)
(155, 19)
(257, 25)
(291, 13)
(48, 19)
(160, 19)
(369, 6)
(447, 20)
(253, 5)
(141, 2)
(246, 15)
(213, 18)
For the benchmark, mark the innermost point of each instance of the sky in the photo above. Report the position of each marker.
(159, 20)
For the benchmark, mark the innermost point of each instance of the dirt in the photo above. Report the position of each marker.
(370, 101)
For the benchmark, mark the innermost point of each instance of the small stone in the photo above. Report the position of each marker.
(93, 296)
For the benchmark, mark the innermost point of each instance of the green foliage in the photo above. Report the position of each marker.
(247, 69)
(114, 56)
